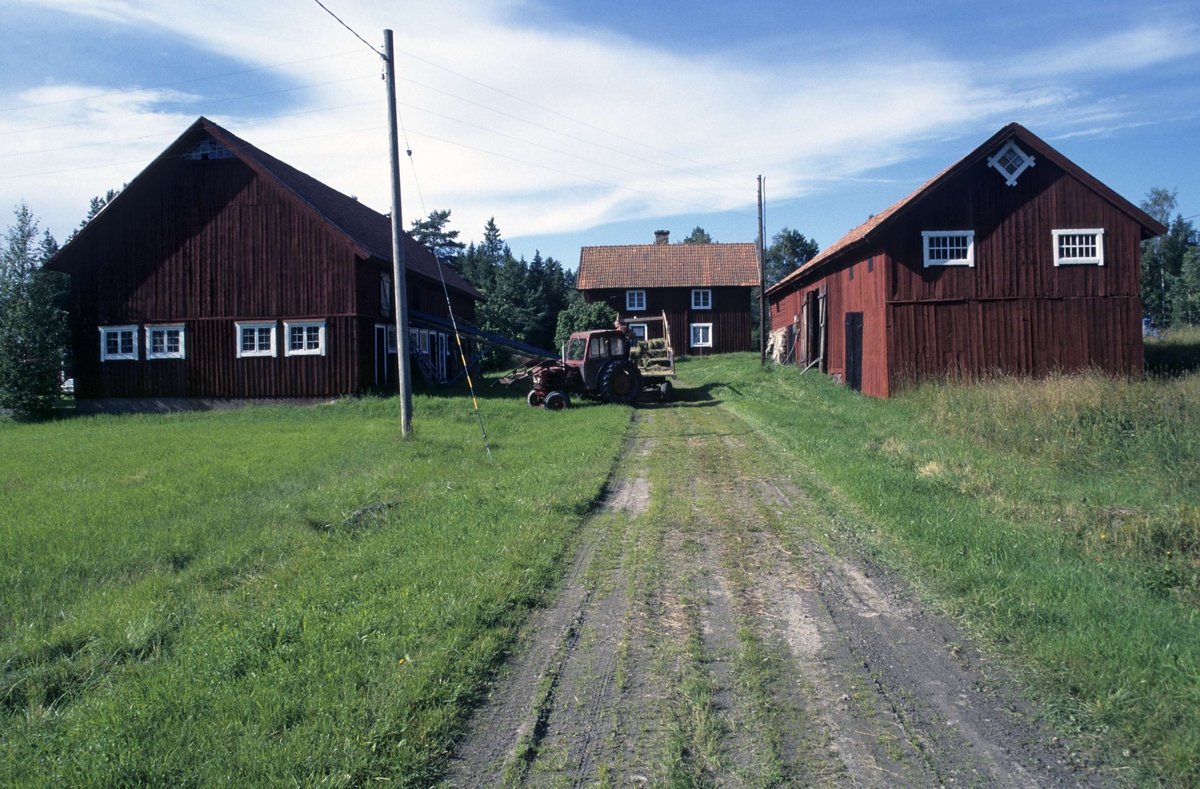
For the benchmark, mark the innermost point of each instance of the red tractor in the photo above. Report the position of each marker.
(595, 365)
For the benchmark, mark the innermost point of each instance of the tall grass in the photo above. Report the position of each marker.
(273, 595)
(1056, 518)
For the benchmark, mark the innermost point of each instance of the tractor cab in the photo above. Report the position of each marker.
(590, 352)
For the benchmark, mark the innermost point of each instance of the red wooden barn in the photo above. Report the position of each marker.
(1013, 260)
(222, 272)
(704, 290)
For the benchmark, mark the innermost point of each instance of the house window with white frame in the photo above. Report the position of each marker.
(391, 339)
(118, 343)
(164, 342)
(256, 339)
(949, 247)
(304, 338)
(701, 299)
(701, 335)
(639, 332)
(1084, 247)
(635, 300)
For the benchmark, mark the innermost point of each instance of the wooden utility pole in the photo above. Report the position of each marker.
(400, 297)
(762, 282)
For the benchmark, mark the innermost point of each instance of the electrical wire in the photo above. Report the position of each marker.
(561, 133)
(177, 82)
(352, 30)
(159, 136)
(564, 116)
(214, 101)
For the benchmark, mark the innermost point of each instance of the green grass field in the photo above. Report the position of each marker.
(186, 601)
(1057, 519)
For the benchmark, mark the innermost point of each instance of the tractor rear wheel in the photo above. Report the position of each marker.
(621, 382)
(556, 401)
(533, 398)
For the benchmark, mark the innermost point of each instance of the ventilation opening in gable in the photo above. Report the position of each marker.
(1010, 162)
(209, 149)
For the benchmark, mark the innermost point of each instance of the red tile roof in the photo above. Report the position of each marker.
(667, 266)
(861, 234)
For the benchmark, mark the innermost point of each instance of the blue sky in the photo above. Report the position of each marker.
(597, 123)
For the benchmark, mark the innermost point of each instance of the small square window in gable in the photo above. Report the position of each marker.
(1010, 161)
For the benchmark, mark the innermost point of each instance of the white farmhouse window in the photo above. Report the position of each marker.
(701, 299)
(385, 295)
(701, 335)
(949, 247)
(639, 331)
(164, 342)
(1079, 247)
(118, 342)
(1010, 161)
(256, 339)
(635, 299)
(305, 338)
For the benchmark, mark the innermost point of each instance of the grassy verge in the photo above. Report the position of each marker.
(1058, 519)
(273, 595)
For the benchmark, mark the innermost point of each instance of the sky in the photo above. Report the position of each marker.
(576, 123)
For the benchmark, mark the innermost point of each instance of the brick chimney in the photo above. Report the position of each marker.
(662, 236)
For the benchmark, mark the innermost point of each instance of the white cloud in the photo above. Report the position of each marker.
(480, 152)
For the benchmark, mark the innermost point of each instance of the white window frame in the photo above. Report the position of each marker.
(287, 338)
(105, 356)
(633, 327)
(969, 262)
(630, 298)
(274, 350)
(692, 335)
(994, 161)
(706, 296)
(180, 354)
(391, 340)
(1098, 232)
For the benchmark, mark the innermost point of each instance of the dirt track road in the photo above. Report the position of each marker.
(707, 635)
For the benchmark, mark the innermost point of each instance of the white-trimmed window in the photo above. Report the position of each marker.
(635, 299)
(391, 339)
(949, 247)
(1082, 247)
(701, 299)
(255, 339)
(164, 342)
(304, 338)
(118, 342)
(385, 294)
(639, 331)
(1010, 161)
(701, 335)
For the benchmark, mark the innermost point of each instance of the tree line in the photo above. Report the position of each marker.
(1170, 265)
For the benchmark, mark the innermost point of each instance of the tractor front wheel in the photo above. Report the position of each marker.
(621, 382)
(533, 398)
(556, 401)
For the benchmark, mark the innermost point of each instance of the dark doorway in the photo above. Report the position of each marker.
(854, 326)
(384, 361)
(812, 328)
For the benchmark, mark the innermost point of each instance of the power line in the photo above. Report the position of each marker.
(556, 150)
(576, 175)
(352, 30)
(558, 132)
(159, 136)
(177, 82)
(214, 101)
(562, 115)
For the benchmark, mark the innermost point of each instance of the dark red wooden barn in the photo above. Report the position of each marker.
(704, 290)
(222, 272)
(1013, 260)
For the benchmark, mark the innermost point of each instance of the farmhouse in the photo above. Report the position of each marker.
(702, 289)
(222, 272)
(1013, 260)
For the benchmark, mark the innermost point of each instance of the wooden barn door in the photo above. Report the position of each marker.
(854, 344)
